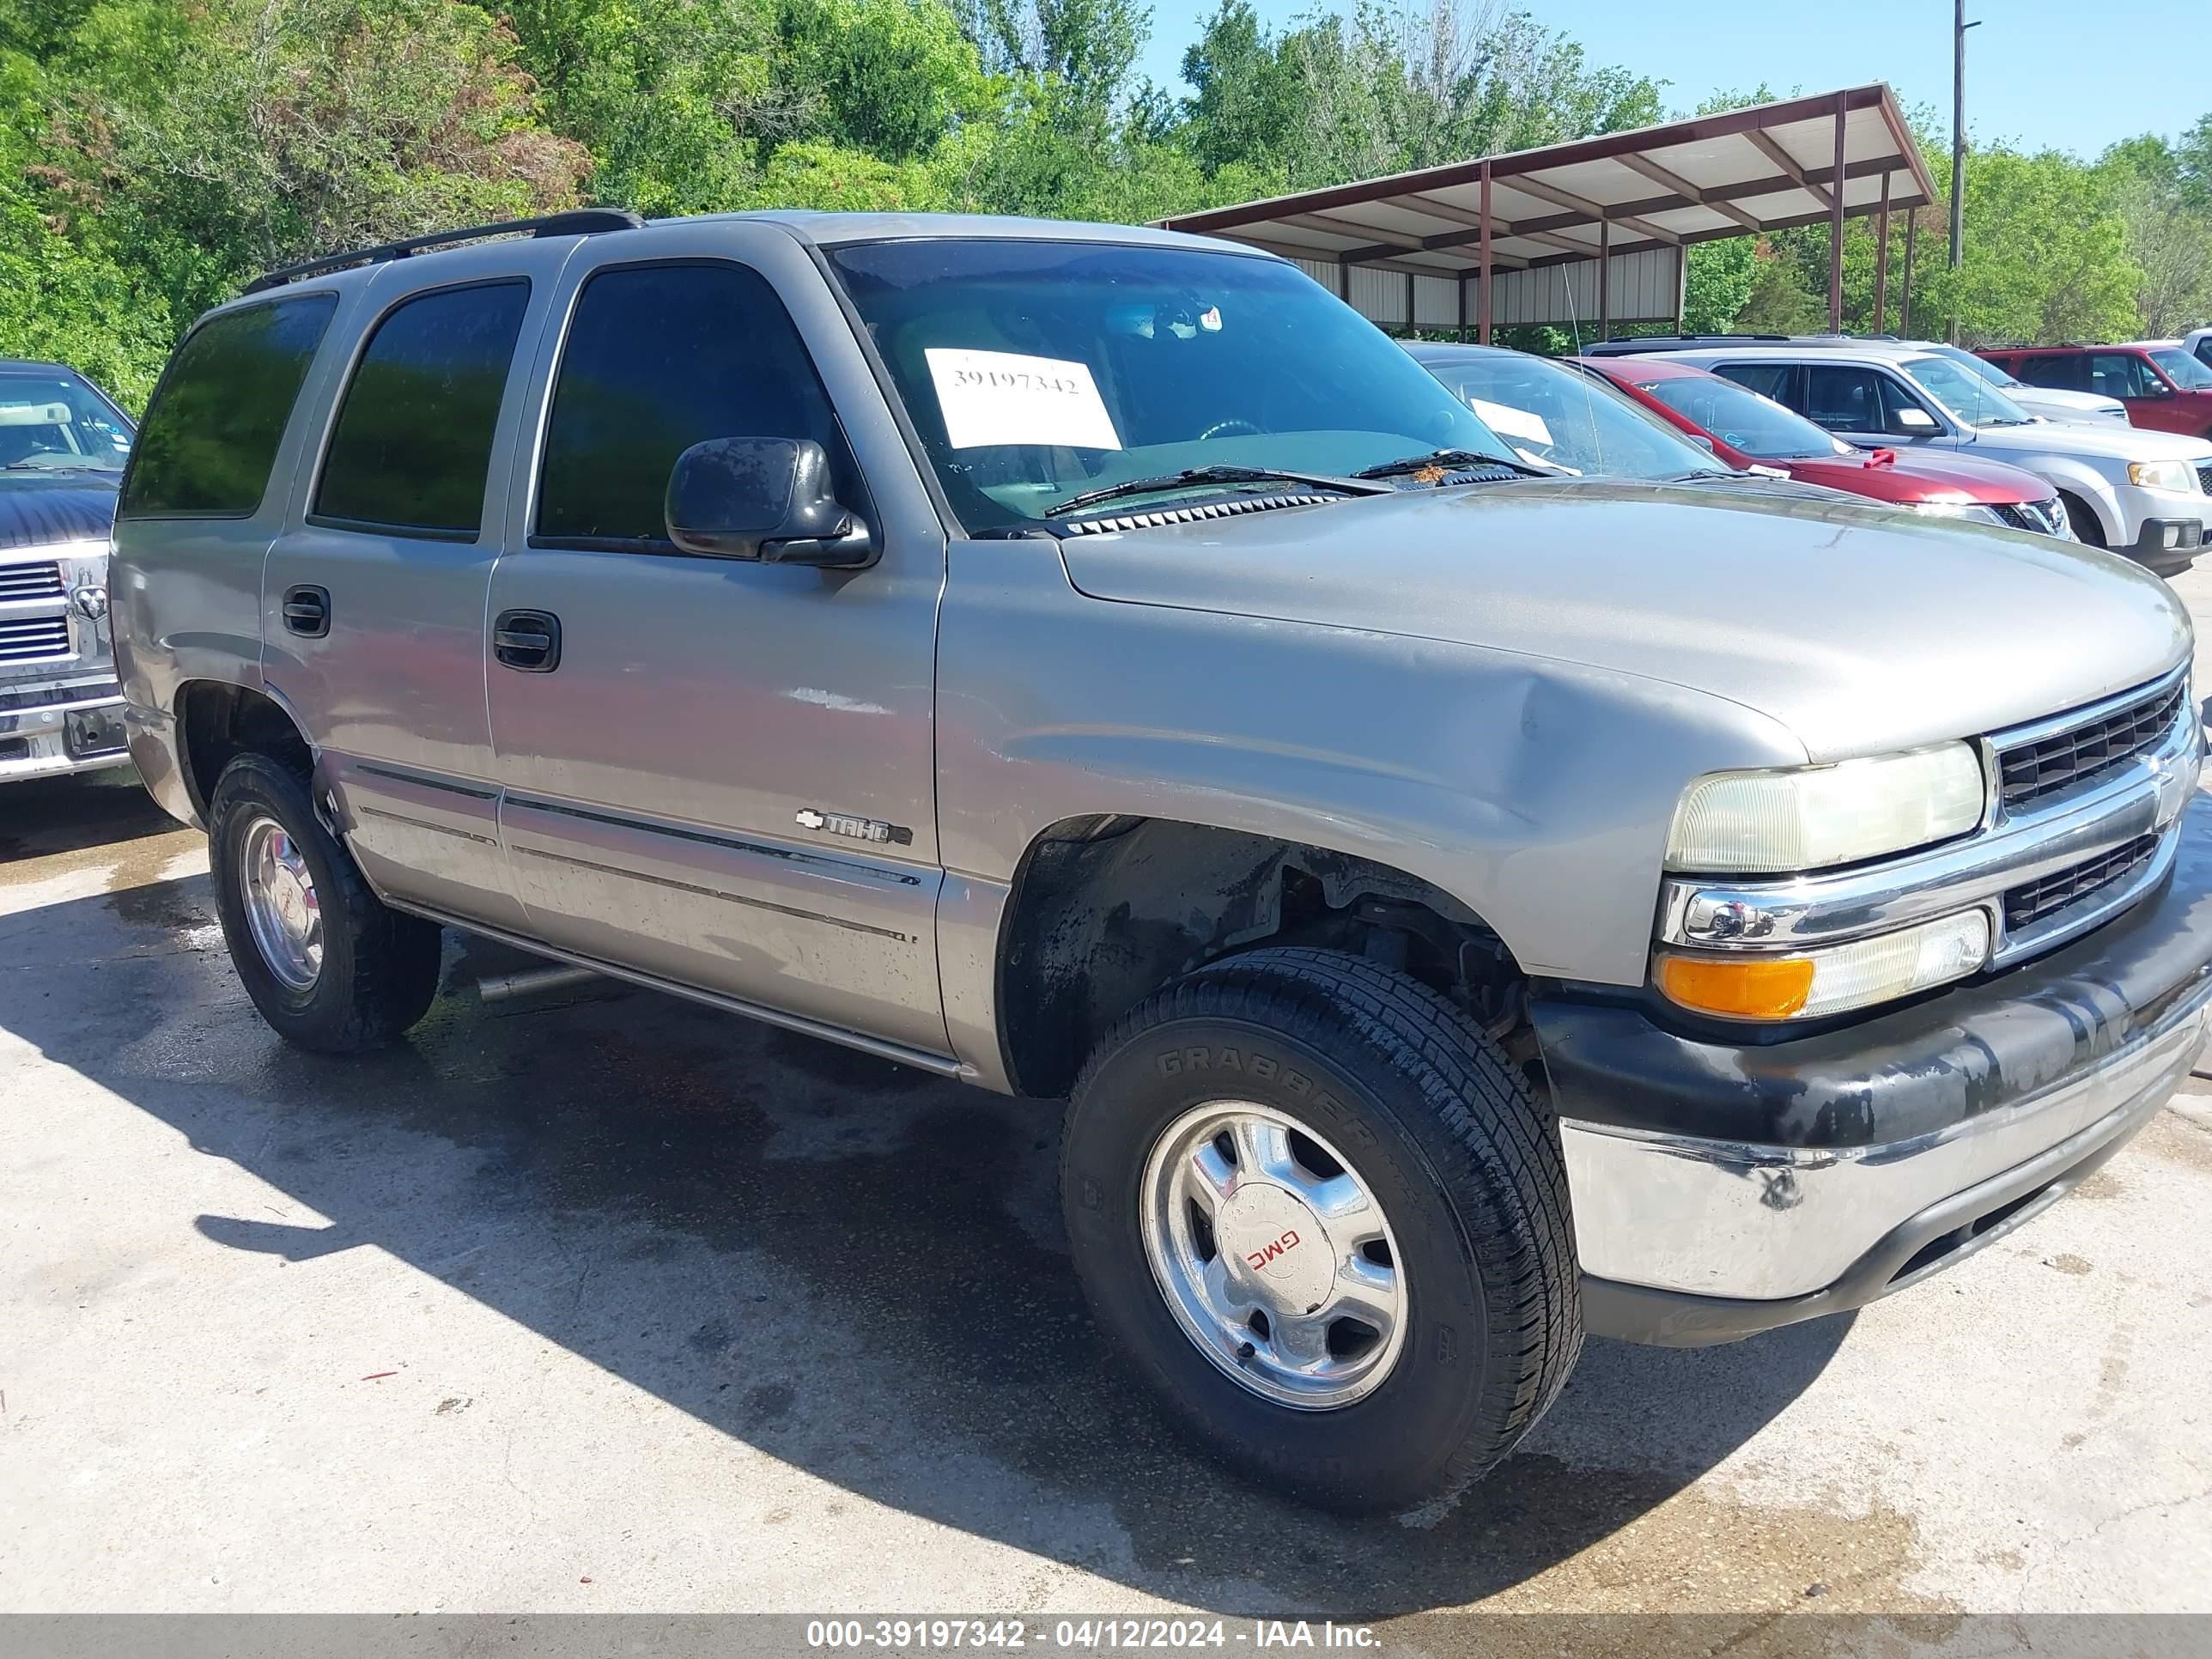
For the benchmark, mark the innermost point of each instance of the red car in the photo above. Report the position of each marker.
(1745, 429)
(2165, 388)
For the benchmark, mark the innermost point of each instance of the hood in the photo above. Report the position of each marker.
(39, 509)
(1860, 628)
(2050, 396)
(2108, 440)
(1923, 476)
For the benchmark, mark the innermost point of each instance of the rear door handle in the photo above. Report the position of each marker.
(307, 611)
(527, 640)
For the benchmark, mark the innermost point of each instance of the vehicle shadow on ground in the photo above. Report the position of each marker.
(853, 1266)
(48, 817)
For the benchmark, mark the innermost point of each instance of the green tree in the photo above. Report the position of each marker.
(1717, 280)
(2168, 231)
(236, 134)
(59, 302)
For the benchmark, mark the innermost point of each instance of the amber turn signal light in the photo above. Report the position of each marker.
(1748, 987)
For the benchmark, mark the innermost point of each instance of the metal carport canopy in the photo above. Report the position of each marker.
(1599, 200)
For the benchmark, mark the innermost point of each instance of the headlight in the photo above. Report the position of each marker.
(1832, 980)
(1810, 818)
(1973, 510)
(2176, 476)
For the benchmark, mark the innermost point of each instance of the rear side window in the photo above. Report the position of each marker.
(658, 358)
(412, 445)
(211, 439)
(2061, 371)
(1771, 380)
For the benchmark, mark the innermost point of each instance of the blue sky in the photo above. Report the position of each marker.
(2038, 73)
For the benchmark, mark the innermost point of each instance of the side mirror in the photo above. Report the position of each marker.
(1910, 419)
(2156, 389)
(762, 498)
(1702, 442)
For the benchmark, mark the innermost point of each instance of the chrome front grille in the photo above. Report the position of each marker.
(30, 581)
(2027, 772)
(33, 639)
(2028, 904)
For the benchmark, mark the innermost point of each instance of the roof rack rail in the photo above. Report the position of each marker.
(1633, 344)
(579, 221)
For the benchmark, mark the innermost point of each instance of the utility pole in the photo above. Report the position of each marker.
(1958, 28)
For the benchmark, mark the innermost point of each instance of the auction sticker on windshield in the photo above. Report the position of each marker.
(1002, 397)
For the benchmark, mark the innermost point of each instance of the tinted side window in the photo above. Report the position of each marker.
(658, 358)
(1773, 380)
(2118, 374)
(2061, 371)
(210, 438)
(412, 445)
(1844, 399)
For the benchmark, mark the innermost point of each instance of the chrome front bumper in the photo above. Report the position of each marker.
(1711, 1219)
(1722, 1189)
(35, 736)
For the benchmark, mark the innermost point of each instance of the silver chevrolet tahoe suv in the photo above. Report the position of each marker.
(1465, 908)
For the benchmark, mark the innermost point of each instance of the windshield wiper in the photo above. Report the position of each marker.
(1453, 460)
(1214, 475)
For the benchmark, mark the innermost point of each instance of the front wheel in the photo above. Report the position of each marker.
(329, 966)
(1327, 1221)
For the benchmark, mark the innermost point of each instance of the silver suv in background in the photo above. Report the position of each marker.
(2044, 402)
(2048, 402)
(1465, 906)
(63, 445)
(2138, 493)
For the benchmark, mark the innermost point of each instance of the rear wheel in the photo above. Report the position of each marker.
(329, 967)
(1326, 1220)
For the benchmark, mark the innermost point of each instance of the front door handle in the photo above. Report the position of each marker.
(307, 611)
(527, 640)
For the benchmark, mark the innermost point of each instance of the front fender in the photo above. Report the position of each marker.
(2094, 491)
(1537, 793)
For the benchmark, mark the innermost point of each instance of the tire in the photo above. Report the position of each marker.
(2083, 517)
(1447, 1137)
(378, 971)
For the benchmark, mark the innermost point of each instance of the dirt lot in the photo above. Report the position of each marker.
(603, 1302)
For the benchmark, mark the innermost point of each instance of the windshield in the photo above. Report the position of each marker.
(1968, 397)
(1557, 417)
(1981, 366)
(1742, 419)
(51, 420)
(2183, 370)
(1039, 371)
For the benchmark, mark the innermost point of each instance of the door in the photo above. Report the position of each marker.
(373, 597)
(719, 771)
(2129, 376)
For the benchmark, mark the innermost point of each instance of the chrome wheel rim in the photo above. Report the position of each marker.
(1274, 1255)
(281, 911)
